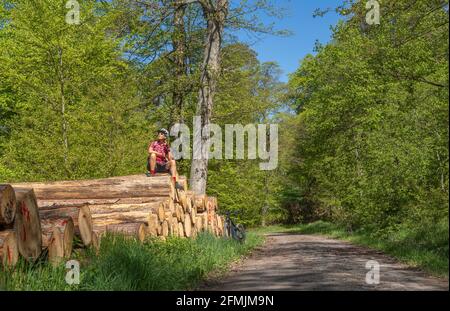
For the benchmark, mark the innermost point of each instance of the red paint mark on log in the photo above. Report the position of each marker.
(25, 211)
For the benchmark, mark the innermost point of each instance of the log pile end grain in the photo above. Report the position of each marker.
(7, 205)
(58, 234)
(9, 251)
(38, 217)
(27, 224)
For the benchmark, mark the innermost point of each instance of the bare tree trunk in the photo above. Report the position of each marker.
(265, 209)
(215, 16)
(179, 48)
(63, 113)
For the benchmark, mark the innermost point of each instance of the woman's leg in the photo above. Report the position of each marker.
(152, 163)
(172, 166)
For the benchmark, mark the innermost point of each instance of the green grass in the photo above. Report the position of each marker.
(426, 248)
(127, 265)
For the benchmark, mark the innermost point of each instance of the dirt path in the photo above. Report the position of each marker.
(304, 262)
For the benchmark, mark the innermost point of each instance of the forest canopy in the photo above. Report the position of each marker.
(363, 120)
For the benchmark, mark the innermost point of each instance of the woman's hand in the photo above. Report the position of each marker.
(151, 151)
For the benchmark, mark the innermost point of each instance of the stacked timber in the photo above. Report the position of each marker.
(37, 218)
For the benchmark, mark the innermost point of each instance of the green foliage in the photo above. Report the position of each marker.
(366, 146)
(371, 131)
(83, 101)
(76, 110)
(248, 93)
(128, 265)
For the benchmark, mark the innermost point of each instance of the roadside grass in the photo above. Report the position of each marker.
(127, 265)
(426, 248)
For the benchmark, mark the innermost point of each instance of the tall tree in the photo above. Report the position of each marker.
(179, 51)
(215, 15)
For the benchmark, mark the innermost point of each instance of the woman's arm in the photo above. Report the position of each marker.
(152, 151)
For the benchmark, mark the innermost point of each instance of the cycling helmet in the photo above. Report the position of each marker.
(164, 131)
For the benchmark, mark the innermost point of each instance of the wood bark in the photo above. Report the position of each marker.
(114, 218)
(215, 14)
(106, 189)
(179, 52)
(138, 230)
(93, 202)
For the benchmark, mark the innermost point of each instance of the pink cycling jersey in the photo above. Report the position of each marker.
(163, 148)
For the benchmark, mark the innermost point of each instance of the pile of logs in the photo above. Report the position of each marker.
(49, 219)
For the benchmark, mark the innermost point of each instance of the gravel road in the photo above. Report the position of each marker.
(294, 262)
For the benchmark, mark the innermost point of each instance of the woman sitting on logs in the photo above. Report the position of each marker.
(160, 158)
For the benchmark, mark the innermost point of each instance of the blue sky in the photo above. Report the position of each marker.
(288, 51)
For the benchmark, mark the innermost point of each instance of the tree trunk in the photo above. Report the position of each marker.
(113, 217)
(119, 188)
(7, 204)
(215, 16)
(124, 208)
(88, 201)
(64, 123)
(179, 50)
(136, 230)
(102, 192)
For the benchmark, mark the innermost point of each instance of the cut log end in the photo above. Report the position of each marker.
(57, 236)
(27, 224)
(85, 225)
(187, 226)
(8, 248)
(7, 204)
(96, 240)
(55, 245)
